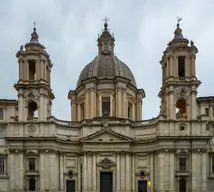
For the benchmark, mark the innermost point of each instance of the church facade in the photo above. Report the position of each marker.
(107, 146)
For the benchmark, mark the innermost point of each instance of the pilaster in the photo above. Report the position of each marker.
(118, 173)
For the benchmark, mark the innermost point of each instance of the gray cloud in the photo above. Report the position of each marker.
(69, 31)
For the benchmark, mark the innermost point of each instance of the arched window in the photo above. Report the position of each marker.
(130, 110)
(32, 184)
(106, 106)
(32, 70)
(181, 109)
(32, 109)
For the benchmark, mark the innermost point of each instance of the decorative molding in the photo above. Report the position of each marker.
(31, 128)
(181, 92)
(106, 163)
(47, 151)
(142, 174)
(105, 122)
(74, 101)
(32, 96)
(91, 89)
(17, 151)
(70, 174)
(199, 150)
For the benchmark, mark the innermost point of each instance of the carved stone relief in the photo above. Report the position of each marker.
(32, 96)
(181, 92)
(31, 128)
(106, 163)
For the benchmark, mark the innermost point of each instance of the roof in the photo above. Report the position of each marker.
(106, 66)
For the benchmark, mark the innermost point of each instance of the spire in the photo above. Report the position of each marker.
(106, 40)
(105, 23)
(34, 35)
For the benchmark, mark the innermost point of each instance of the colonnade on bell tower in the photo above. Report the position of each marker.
(179, 82)
(34, 84)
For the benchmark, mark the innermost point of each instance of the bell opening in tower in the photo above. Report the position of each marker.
(106, 106)
(32, 110)
(181, 109)
(181, 66)
(32, 70)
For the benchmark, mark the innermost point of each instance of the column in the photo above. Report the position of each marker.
(151, 172)
(119, 102)
(21, 106)
(187, 66)
(86, 106)
(42, 70)
(42, 170)
(73, 109)
(12, 172)
(37, 70)
(85, 173)
(194, 172)
(139, 109)
(193, 65)
(204, 171)
(133, 172)
(161, 171)
(172, 171)
(118, 173)
(171, 105)
(171, 66)
(193, 105)
(61, 171)
(41, 108)
(122, 172)
(94, 174)
(20, 69)
(26, 70)
(127, 172)
(21, 172)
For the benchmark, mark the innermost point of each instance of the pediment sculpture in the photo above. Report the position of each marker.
(106, 163)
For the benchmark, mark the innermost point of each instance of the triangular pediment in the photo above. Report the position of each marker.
(106, 136)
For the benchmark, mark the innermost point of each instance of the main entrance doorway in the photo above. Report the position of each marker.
(142, 186)
(106, 182)
(70, 186)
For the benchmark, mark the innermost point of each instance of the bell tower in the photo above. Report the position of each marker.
(34, 81)
(179, 82)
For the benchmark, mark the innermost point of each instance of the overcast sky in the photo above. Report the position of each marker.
(69, 30)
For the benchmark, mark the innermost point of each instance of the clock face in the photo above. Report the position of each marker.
(106, 48)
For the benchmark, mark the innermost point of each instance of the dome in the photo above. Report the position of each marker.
(106, 66)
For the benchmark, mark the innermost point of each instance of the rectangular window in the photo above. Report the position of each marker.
(213, 110)
(32, 164)
(181, 66)
(1, 135)
(207, 111)
(213, 163)
(1, 114)
(182, 164)
(106, 106)
(2, 165)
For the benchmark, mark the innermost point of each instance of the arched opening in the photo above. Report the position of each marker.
(32, 110)
(32, 70)
(181, 112)
(32, 184)
(182, 185)
(82, 111)
(181, 66)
